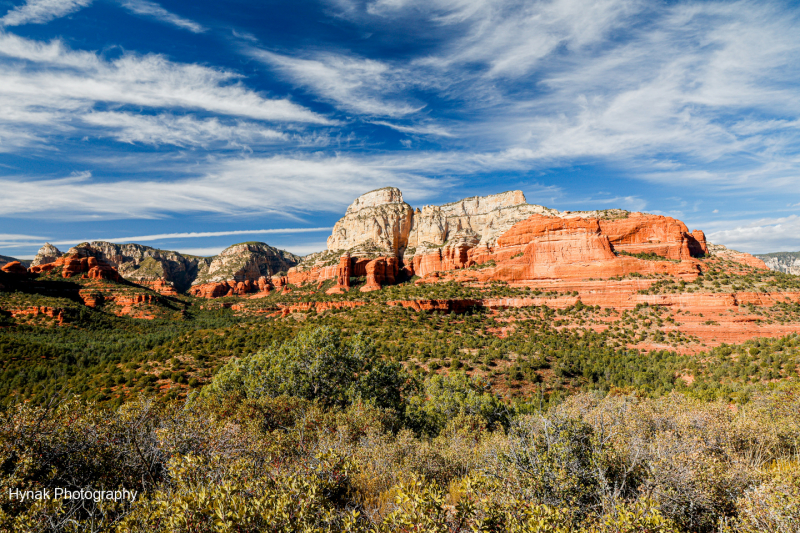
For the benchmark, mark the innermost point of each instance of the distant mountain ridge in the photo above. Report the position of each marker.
(786, 262)
(170, 270)
(4, 260)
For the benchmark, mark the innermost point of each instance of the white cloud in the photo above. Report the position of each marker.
(422, 129)
(508, 37)
(47, 88)
(180, 130)
(284, 186)
(17, 236)
(701, 93)
(760, 236)
(195, 235)
(151, 81)
(151, 9)
(362, 86)
(41, 11)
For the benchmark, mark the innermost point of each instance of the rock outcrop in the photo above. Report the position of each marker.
(736, 256)
(4, 260)
(168, 272)
(380, 224)
(376, 223)
(546, 247)
(14, 267)
(46, 254)
(163, 270)
(79, 262)
(474, 222)
(652, 234)
(246, 262)
(379, 230)
(786, 262)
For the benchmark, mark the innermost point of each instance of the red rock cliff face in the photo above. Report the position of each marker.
(664, 236)
(544, 247)
(381, 271)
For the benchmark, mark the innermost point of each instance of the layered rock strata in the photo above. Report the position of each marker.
(377, 222)
(239, 269)
(502, 236)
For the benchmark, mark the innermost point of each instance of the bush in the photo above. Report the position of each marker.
(316, 365)
(444, 397)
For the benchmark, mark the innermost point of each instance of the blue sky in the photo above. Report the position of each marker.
(194, 125)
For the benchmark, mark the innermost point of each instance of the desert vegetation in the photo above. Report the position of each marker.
(309, 435)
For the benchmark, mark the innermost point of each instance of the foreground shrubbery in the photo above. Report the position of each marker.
(379, 451)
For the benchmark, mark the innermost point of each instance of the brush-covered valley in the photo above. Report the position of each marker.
(487, 365)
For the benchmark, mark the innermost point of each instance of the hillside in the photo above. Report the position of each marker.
(788, 262)
(625, 286)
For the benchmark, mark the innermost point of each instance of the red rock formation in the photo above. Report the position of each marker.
(738, 257)
(446, 306)
(317, 306)
(699, 247)
(344, 272)
(381, 271)
(264, 286)
(91, 298)
(52, 312)
(164, 288)
(134, 300)
(212, 290)
(14, 267)
(544, 247)
(640, 233)
(75, 264)
(240, 288)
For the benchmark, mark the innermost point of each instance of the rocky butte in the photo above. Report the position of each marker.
(168, 272)
(500, 237)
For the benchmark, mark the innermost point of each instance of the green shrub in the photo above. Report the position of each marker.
(318, 365)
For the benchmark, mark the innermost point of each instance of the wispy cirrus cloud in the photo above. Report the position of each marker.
(282, 186)
(420, 129)
(49, 89)
(154, 10)
(62, 79)
(363, 86)
(41, 11)
(184, 131)
(188, 235)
